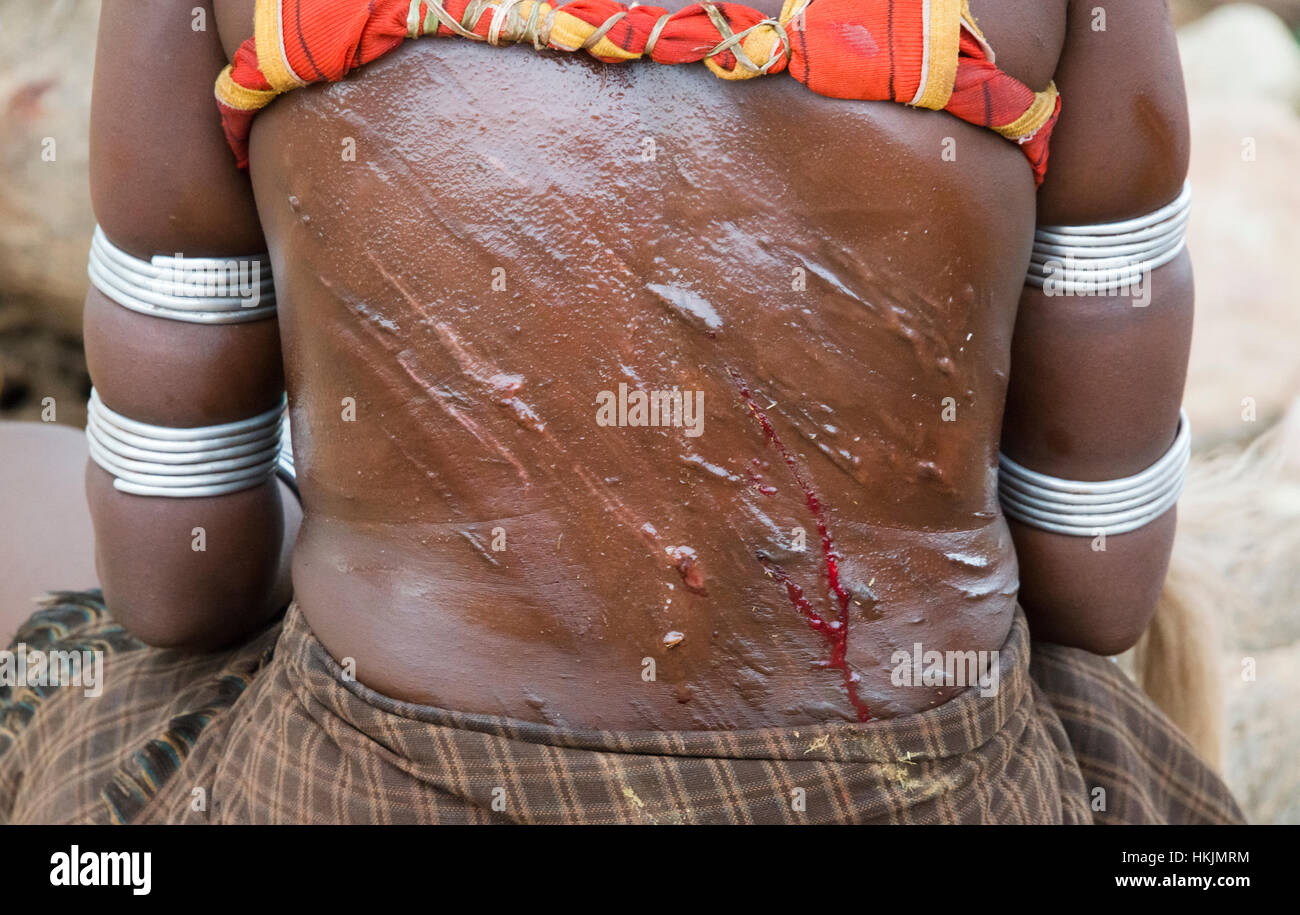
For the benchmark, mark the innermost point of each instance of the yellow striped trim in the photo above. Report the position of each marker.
(969, 17)
(968, 21)
(270, 47)
(233, 95)
(943, 49)
(1039, 113)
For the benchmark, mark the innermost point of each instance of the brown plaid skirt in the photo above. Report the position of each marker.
(271, 732)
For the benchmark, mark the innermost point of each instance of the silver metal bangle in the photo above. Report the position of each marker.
(285, 468)
(149, 460)
(197, 290)
(1092, 259)
(1085, 508)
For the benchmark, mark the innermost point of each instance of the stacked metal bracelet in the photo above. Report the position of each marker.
(1094, 259)
(149, 460)
(199, 290)
(285, 467)
(1082, 508)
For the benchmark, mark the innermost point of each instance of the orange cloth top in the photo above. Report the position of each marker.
(925, 53)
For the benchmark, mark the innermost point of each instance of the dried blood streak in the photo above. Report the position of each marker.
(835, 631)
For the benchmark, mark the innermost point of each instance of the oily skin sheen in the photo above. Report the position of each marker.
(814, 267)
(475, 410)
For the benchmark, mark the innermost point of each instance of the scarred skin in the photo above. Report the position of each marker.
(501, 249)
(475, 413)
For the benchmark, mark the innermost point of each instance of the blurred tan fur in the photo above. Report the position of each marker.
(1238, 536)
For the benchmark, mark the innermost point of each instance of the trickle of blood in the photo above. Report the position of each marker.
(836, 631)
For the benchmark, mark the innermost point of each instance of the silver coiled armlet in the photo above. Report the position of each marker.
(285, 467)
(198, 290)
(1082, 508)
(149, 460)
(1094, 259)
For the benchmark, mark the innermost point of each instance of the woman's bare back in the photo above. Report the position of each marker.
(519, 244)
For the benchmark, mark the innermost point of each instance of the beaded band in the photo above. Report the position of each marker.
(149, 460)
(1091, 259)
(1081, 508)
(198, 290)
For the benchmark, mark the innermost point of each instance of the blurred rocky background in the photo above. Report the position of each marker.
(46, 59)
(1241, 514)
(1241, 517)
